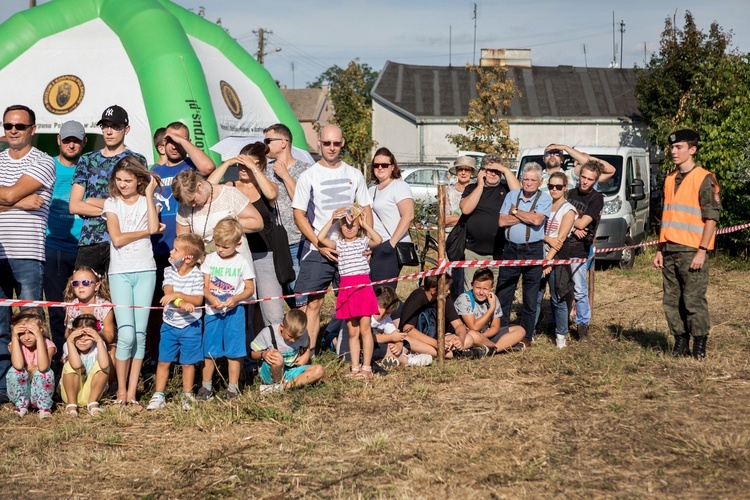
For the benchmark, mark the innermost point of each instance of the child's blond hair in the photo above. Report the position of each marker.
(228, 232)
(193, 246)
(31, 315)
(294, 323)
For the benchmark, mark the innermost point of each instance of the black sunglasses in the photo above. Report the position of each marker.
(336, 144)
(269, 140)
(556, 187)
(551, 153)
(381, 165)
(19, 126)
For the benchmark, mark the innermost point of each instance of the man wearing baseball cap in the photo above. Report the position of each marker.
(91, 188)
(63, 228)
(691, 210)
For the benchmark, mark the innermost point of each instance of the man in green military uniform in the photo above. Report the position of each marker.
(691, 211)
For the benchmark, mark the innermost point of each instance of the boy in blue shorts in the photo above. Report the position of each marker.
(228, 280)
(181, 339)
(285, 352)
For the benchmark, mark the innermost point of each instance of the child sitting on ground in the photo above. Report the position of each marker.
(389, 341)
(30, 380)
(285, 352)
(480, 310)
(227, 281)
(85, 373)
(180, 337)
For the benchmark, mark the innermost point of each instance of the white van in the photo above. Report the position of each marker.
(626, 197)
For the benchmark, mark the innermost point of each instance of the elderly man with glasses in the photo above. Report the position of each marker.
(522, 216)
(27, 176)
(480, 204)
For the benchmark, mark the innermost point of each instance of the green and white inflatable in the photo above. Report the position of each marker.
(70, 59)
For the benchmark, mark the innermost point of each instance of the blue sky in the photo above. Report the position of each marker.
(316, 35)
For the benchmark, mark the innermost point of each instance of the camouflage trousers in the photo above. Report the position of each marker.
(685, 304)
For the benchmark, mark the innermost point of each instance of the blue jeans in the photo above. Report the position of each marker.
(25, 278)
(58, 269)
(530, 277)
(559, 307)
(583, 311)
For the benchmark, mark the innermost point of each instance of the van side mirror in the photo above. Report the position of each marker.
(637, 190)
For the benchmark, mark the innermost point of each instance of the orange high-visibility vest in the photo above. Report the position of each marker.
(681, 220)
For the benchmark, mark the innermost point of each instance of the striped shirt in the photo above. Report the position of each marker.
(190, 284)
(352, 261)
(22, 232)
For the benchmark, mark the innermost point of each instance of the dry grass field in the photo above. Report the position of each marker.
(614, 418)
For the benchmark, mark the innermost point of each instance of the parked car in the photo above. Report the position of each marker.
(423, 180)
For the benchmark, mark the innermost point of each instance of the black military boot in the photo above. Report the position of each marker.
(681, 346)
(583, 332)
(699, 347)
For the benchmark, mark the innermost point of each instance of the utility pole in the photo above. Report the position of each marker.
(450, 41)
(474, 57)
(644, 54)
(585, 60)
(614, 44)
(622, 31)
(293, 74)
(262, 33)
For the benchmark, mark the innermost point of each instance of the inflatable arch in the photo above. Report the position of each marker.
(71, 59)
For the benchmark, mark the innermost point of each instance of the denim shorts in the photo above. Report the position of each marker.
(181, 344)
(225, 334)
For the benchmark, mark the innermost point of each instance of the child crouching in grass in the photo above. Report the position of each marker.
(85, 373)
(285, 352)
(390, 350)
(181, 338)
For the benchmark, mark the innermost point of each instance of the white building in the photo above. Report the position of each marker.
(415, 107)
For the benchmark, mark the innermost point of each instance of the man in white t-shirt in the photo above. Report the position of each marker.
(27, 176)
(321, 189)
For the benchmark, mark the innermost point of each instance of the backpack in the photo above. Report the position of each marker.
(427, 322)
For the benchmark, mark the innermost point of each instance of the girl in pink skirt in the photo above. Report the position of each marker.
(355, 305)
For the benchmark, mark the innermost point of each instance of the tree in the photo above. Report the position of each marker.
(333, 73)
(696, 82)
(352, 113)
(486, 130)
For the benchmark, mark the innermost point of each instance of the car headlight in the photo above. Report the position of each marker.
(612, 206)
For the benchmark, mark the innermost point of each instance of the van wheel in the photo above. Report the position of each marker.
(628, 255)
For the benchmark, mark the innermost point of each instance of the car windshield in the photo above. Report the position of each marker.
(612, 186)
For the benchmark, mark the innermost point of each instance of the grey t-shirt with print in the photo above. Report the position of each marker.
(284, 201)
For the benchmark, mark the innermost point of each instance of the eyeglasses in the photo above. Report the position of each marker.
(336, 144)
(77, 283)
(556, 187)
(116, 128)
(492, 171)
(381, 165)
(553, 153)
(269, 140)
(461, 169)
(18, 126)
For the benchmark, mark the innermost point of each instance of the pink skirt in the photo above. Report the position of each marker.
(356, 302)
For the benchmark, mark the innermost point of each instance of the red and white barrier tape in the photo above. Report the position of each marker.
(443, 265)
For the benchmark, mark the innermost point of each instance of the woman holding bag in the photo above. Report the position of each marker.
(257, 187)
(393, 212)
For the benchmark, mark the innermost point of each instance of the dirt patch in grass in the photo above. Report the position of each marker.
(616, 417)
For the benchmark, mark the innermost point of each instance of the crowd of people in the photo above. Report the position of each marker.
(179, 250)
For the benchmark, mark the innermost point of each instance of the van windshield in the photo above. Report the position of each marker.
(612, 186)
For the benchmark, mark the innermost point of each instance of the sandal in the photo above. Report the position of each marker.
(135, 405)
(71, 410)
(94, 408)
(366, 373)
(354, 373)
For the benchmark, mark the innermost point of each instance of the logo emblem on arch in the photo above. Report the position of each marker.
(63, 94)
(231, 99)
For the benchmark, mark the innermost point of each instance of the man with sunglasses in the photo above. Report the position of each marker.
(63, 229)
(554, 159)
(522, 216)
(321, 189)
(286, 171)
(480, 204)
(91, 188)
(27, 176)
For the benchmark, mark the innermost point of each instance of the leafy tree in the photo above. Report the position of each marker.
(353, 114)
(696, 82)
(486, 130)
(332, 74)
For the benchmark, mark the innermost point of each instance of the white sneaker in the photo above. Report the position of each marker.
(269, 389)
(157, 402)
(562, 341)
(187, 401)
(418, 359)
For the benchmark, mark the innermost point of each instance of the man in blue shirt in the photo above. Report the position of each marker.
(523, 215)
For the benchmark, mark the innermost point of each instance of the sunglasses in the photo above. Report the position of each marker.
(492, 171)
(269, 140)
(18, 126)
(77, 283)
(552, 153)
(556, 187)
(336, 144)
(381, 165)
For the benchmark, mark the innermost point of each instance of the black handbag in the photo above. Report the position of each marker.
(406, 253)
(455, 243)
(282, 257)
